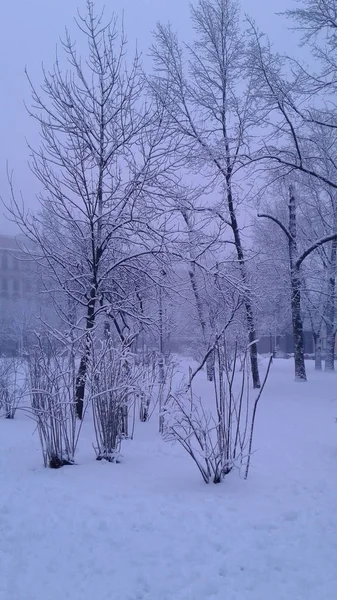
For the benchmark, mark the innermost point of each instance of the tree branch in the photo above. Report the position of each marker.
(317, 244)
(279, 223)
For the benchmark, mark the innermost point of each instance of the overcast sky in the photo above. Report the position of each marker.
(29, 34)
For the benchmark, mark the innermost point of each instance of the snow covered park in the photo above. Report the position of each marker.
(150, 529)
(177, 198)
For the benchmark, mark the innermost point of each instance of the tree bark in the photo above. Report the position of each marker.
(300, 373)
(295, 282)
(330, 309)
(318, 351)
(247, 295)
(83, 366)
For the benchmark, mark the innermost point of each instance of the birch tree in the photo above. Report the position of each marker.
(319, 219)
(300, 116)
(295, 263)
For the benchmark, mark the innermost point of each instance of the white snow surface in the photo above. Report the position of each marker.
(150, 529)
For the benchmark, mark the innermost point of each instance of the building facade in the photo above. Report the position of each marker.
(17, 281)
(18, 295)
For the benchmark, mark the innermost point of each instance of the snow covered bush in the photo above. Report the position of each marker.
(112, 383)
(52, 378)
(13, 385)
(147, 383)
(187, 422)
(155, 384)
(217, 436)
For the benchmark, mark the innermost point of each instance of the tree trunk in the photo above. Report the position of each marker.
(83, 367)
(210, 366)
(300, 373)
(330, 311)
(80, 385)
(318, 351)
(161, 336)
(247, 294)
(330, 349)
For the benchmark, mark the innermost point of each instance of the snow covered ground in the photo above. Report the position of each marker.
(150, 529)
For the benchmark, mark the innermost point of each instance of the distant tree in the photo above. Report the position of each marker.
(298, 115)
(295, 263)
(271, 272)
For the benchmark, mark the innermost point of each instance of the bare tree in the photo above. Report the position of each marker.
(209, 104)
(99, 160)
(295, 262)
(196, 249)
(297, 106)
(321, 278)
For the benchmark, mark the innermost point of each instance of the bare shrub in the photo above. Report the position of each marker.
(217, 438)
(187, 422)
(155, 385)
(147, 382)
(112, 383)
(13, 385)
(52, 379)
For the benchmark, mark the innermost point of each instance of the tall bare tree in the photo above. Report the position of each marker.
(296, 259)
(297, 104)
(99, 161)
(210, 107)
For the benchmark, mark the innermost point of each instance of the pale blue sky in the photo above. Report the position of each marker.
(30, 32)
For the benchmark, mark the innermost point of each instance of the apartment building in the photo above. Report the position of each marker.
(16, 273)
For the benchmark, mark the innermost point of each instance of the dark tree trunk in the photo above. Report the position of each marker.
(161, 337)
(247, 294)
(80, 385)
(253, 344)
(330, 311)
(210, 366)
(300, 373)
(83, 367)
